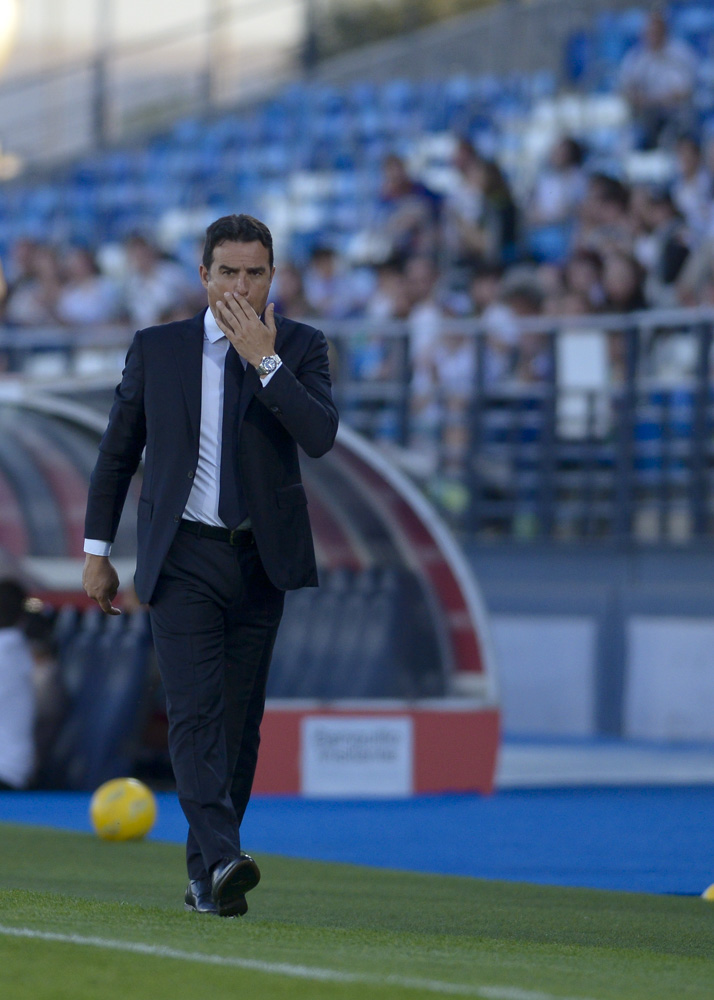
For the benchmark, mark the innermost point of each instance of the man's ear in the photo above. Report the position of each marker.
(203, 272)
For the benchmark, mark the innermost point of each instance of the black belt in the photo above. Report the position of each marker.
(234, 536)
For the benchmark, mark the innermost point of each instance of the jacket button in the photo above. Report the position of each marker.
(176, 517)
(191, 475)
(275, 409)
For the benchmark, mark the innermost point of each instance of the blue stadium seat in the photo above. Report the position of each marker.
(105, 672)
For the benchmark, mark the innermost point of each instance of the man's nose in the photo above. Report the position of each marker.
(240, 285)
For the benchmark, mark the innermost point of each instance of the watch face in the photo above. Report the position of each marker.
(268, 365)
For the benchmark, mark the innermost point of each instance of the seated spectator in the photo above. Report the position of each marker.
(583, 276)
(288, 292)
(331, 289)
(87, 297)
(560, 185)
(408, 211)
(20, 266)
(390, 299)
(566, 303)
(604, 222)
(485, 286)
(32, 299)
(623, 281)
(425, 326)
(463, 205)
(454, 369)
(425, 309)
(693, 190)
(492, 237)
(155, 286)
(558, 191)
(665, 250)
(17, 700)
(374, 356)
(524, 297)
(508, 352)
(657, 79)
(697, 275)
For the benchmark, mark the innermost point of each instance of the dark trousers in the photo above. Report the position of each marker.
(214, 616)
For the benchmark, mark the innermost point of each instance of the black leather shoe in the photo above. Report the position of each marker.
(230, 880)
(198, 896)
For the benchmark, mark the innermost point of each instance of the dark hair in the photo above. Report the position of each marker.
(12, 601)
(586, 256)
(660, 195)
(236, 229)
(611, 189)
(575, 151)
(495, 183)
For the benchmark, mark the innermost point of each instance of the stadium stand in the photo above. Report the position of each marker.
(462, 239)
(512, 186)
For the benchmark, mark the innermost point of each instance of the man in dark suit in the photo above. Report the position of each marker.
(220, 402)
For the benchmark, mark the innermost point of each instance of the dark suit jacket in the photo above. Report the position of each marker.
(157, 405)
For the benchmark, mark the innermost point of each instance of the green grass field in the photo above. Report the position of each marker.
(80, 918)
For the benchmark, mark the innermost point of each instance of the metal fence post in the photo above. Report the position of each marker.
(403, 407)
(625, 451)
(699, 492)
(548, 463)
(476, 437)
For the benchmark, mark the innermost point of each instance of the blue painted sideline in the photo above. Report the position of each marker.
(656, 840)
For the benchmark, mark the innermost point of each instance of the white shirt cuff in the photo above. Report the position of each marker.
(264, 381)
(94, 547)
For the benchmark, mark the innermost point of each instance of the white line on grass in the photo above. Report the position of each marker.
(284, 969)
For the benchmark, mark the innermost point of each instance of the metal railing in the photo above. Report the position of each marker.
(614, 440)
(581, 428)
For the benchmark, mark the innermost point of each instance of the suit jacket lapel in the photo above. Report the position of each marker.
(189, 360)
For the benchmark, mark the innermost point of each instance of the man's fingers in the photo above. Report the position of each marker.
(241, 308)
(107, 607)
(224, 317)
(270, 317)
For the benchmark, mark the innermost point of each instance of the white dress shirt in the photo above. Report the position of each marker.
(202, 504)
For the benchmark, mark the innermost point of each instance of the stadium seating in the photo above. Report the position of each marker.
(357, 636)
(104, 670)
(309, 156)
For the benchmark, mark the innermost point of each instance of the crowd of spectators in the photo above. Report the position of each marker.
(49, 286)
(581, 241)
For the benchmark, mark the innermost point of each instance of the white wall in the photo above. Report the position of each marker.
(546, 673)
(669, 688)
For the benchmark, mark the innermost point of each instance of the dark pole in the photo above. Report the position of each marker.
(310, 45)
(100, 89)
(217, 16)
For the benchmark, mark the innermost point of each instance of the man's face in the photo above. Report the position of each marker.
(242, 268)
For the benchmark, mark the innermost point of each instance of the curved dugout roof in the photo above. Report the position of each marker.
(365, 513)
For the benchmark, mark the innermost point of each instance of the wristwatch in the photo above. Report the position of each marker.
(268, 364)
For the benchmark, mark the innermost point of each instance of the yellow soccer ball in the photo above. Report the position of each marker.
(708, 893)
(122, 809)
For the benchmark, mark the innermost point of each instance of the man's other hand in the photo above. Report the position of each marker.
(101, 583)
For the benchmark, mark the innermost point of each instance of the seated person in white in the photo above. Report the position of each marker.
(657, 80)
(17, 698)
